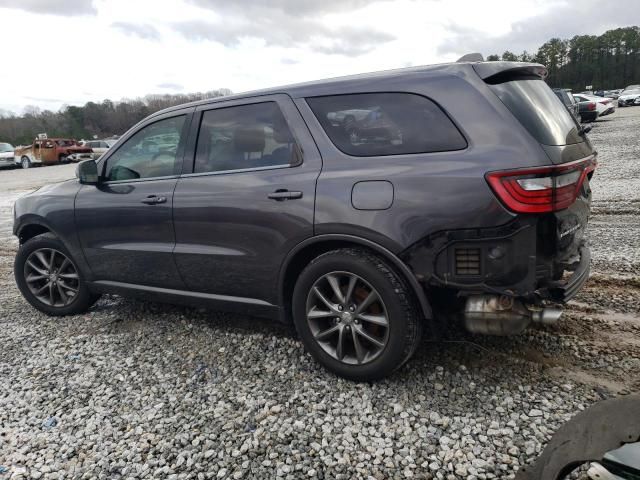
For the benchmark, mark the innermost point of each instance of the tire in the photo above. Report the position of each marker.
(25, 162)
(31, 262)
(393, 343)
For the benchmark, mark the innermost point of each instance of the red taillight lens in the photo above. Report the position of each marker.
(543, 189)
(591, 106)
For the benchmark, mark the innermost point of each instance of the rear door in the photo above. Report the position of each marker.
(125, 222)
(247, 198)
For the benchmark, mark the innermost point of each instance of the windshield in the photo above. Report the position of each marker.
(6, 147)
(539, 110)
(632, 92)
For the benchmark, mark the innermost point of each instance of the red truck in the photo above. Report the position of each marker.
(49, 151)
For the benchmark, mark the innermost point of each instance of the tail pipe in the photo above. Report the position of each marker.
(504, 315)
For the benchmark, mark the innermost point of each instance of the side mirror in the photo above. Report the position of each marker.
(87, 172)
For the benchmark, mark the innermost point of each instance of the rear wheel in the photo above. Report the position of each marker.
(49, 279)
(355, 315)
(25, 162)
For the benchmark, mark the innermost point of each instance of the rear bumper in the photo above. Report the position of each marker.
(564, 291)
(589, 116)
(519, 260)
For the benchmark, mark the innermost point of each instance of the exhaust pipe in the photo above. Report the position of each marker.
(504, 315)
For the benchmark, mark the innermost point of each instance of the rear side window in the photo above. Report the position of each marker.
(244, 137)
(373, 124)
(534, 104)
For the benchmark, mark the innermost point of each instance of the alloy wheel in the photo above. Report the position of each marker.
(347, 318)
(51, 277)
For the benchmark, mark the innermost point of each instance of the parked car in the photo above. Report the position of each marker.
(630, 96)
(99, 147)
(567, 99)
(587, 110)
(620, 464)
(604, 106)
(264, 204)
(6, 155)
(48, 151)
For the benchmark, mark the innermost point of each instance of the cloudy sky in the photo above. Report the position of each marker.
(57, 52)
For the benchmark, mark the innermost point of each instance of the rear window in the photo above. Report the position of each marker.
(539, 110)
(373, 124)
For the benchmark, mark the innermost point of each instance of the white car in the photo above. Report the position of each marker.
(99, 147)
(629, 96)
(7, 156)
(604, 106)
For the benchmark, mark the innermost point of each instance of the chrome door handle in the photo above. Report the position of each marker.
(154, 200)
(280, 195)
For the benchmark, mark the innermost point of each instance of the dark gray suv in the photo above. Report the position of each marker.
(358, 208)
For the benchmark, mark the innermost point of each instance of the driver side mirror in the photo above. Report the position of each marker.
(87, 172)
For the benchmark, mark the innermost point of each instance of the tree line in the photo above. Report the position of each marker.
(101, 120)
(607, 61)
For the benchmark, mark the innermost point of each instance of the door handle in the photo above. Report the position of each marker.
(154, 200)
(280, 195)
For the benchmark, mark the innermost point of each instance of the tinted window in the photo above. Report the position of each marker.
(247, 136)
(533, 103)
(150, 152)
(370, 124)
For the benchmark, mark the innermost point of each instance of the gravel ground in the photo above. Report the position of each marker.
(144, 390)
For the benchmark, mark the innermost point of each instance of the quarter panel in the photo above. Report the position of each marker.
(432, 191)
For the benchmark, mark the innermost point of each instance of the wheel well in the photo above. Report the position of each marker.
(29, 231)
(302, 258)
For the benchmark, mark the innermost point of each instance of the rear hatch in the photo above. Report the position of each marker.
(560, 193)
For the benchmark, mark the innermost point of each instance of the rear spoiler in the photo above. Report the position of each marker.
(499, 72)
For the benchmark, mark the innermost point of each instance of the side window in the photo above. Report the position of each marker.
(246, 136)
(151, 152)
(371, 124)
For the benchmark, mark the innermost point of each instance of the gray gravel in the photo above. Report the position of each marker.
(144, 390)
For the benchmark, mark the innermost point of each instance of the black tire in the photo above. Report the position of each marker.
(79, 303)
(404, 321)
(25, 162)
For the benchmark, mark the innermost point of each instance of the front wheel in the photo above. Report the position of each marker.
(355, 315)
(25, 162)
(49, 279)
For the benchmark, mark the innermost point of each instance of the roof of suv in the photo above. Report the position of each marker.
(484, 69)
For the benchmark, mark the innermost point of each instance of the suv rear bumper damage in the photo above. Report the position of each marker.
(565, 290)
(507, 277)
(509, 261)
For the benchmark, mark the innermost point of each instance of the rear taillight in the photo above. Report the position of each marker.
(606, 101)
(591, 106)
(542, 189)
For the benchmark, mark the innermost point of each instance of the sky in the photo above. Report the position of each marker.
(69, 52)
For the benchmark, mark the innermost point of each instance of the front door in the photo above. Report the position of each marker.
(247, 200)
(125, 222)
